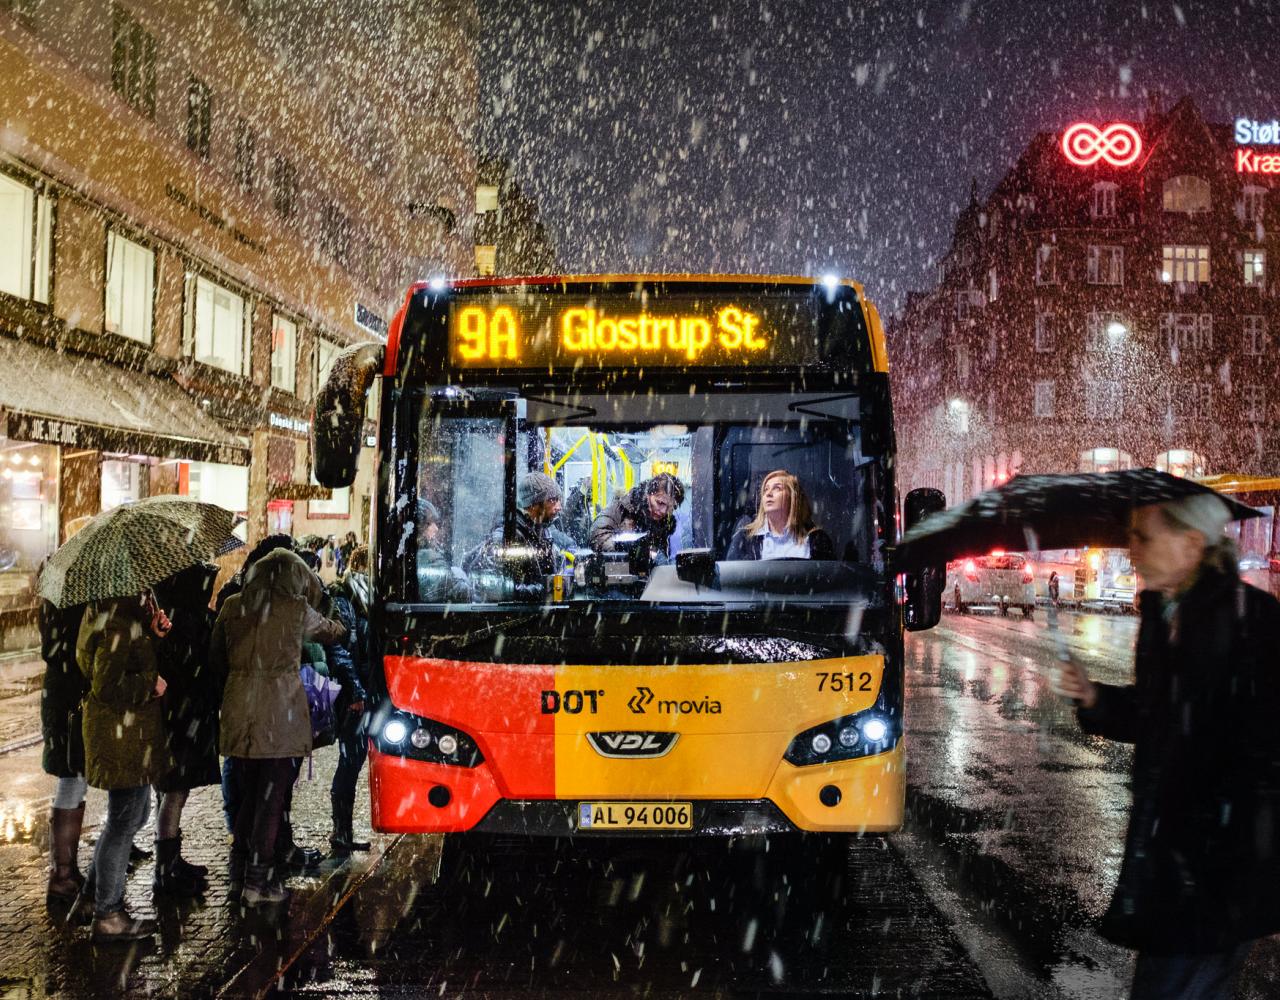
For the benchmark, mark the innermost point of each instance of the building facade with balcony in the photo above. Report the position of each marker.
(200, 205)
(1093, 314)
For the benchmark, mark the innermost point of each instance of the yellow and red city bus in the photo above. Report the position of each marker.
(658, 688)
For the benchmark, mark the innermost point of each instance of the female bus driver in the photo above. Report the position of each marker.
(783, 527)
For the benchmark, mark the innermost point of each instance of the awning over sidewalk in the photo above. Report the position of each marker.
(87, 402)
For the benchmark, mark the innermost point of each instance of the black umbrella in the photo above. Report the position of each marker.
(1060, 511)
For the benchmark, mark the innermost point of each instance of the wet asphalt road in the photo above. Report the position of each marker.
(1015, 824)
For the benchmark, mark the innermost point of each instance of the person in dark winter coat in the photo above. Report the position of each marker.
(783, 527)
(230, 791)
(266, 722)
(190, 703)
(352, 599)
(124, 743)
(537, 502)
(648, 508)
(63, 756)
(1200, 879)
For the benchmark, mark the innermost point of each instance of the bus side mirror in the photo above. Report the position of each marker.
(923, 586)
(696, 566)
(337, 422)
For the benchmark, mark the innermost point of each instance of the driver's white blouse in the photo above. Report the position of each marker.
(782, 546)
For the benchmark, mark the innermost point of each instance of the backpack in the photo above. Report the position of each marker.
(321, 694)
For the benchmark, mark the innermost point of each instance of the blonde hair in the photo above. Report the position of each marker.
(799, 515)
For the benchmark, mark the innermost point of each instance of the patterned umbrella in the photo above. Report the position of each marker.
(1047, 512)
(128, 549)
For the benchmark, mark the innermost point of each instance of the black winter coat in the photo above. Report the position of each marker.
(349, 657)
(64, 689)
(193, 697)
(1201, 868)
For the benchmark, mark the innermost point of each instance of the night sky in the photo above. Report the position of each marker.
(804, 137)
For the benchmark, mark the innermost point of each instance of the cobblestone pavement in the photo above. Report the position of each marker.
(205, 947)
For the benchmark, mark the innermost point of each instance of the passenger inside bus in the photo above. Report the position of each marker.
(648, 509)
(751, 483)
(783, 527)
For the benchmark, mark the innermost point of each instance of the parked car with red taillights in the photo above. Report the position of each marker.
(1002, 580)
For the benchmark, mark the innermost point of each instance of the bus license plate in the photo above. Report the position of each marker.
(635, 816)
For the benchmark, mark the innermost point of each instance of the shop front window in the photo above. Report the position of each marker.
(224, 485)
(1181, 462)
(121, 483)
(28, 518)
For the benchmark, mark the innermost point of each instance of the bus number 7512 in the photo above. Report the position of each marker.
(843, 682)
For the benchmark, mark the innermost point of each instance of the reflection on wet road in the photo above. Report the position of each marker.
(663, 918)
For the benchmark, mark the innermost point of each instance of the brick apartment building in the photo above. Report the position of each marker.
(200, 205)
(1091, 316)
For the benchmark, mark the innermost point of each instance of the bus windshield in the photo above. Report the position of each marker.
(641, 477)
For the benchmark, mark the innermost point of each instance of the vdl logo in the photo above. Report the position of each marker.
(630, 745)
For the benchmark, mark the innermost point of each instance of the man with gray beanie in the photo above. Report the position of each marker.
(535, 554)
(1200, 879)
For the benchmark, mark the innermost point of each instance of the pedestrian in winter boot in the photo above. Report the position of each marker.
(266, 721)
(125, 748)
(190, 704)
(63, 756)
(351, 598)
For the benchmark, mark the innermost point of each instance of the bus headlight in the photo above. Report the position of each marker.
(873, 729)
(395, 731)
(398, 733)
(868, 732)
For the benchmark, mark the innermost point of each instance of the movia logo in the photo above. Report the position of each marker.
(640, 701)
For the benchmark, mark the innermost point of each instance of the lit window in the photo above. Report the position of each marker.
(1106, 265)
(1044, 393)
(1255, 262)
(486, 198)
(1104, 200)
(1186, 193)
(1046, 264)
(1183, 264)
(1105, 460)
(131, 270)
(1255, 334)
(284, 353)
(1044, 332)
(486, 259)
(26, 229)
(214, 325)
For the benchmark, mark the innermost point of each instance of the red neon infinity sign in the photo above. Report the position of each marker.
(1085, 144)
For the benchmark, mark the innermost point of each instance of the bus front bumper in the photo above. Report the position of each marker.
(413, 796)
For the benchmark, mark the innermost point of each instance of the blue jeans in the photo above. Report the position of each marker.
(127, 810)
(1209, 976)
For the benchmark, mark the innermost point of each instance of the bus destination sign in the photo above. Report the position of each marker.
(616, 331)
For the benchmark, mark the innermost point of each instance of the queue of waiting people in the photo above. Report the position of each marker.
(143, 694)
